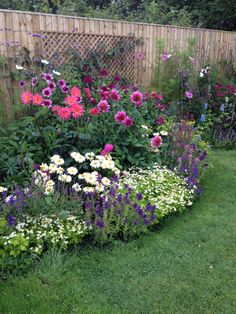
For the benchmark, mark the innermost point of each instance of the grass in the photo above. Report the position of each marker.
(186, 267)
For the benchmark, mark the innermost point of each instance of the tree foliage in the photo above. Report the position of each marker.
(216, 14)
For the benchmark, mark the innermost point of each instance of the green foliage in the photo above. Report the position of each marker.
(186, 257)
(176, 74)
(208, 14)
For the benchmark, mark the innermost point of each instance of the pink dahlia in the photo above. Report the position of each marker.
(127, 122)
(47, 103)
(115, 95)
(160, 120)
(189, 94)
(55, 108)
(105, 94)
(87, 92)
(47, 76)
(94, 111)
(22, 84)
(26, 97)
(65, 89)
(88, 79)
(47, 92)
(156, 141)
(120, 116)
(63, 113)
(71, 100)
(34, 81)
(109, 147)
(52, 85)
(103, 106)
(136, 98)
(117, 78)
(75, 91)
(61, 83)
(77, 111)
(103, 72)
(154, 95)
(37, 99)
(161, 107)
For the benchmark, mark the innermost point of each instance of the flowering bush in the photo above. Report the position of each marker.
(81, 116)
(36, 234)
(161, 187)
(78, 138)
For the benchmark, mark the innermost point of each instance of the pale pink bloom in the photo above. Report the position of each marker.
(156, 141)
(189, 94)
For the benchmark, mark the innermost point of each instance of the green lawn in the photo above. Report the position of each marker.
(186, 267)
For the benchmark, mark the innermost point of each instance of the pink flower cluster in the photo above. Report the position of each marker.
(136, 98)
(107, 149)
(156, 95)
(223, 90)
(28, 98)
(112, 94)
(122, 118)
(74, 109)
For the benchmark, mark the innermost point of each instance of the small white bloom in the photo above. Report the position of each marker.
(48, 190)
(99, 188)
(68, 178)
(59, 170)
(105, 181)
(62, 177)
(44, 167)
(226, 99)
(52, 168)
(77, 157)
(90, 155)
(164, 133)
(88, 189)
(45, 61)
(50, 183)
(19, 67)
(57, 160)
(55, 72)
(2, 189)
(201, 74)
(95, 164)
(76, 187)
(72, 171)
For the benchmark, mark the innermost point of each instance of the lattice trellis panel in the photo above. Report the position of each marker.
(115, 52)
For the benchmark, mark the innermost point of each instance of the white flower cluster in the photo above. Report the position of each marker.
(161, 187)
(43, 177)
(33, 233)
(204, 71)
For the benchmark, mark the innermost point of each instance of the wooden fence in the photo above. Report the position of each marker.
(52, 33)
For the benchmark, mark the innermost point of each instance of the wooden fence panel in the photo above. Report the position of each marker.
(26, 28)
